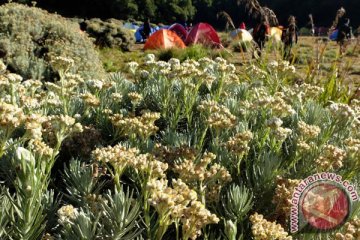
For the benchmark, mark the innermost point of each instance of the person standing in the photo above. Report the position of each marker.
(146, 29)
(290, 37)
(344, 33)
(261, 31)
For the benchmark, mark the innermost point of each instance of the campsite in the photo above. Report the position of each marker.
(179, 120)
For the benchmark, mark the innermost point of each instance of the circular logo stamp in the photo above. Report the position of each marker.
(325, 205)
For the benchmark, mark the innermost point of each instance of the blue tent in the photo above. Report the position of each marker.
(333, 36)
(130, 25)
(138, 36)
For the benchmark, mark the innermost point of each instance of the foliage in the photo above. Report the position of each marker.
(31, 37)
(254, 8)
(195, 52)
(170, 11)
(116, 218)
(109, 33)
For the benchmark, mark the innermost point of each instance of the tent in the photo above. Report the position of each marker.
(205, 34)
(276, 33)
(333, 36)
(179, 30)
(241, 34)
(164, 39)
(129, 25)
(138, 36)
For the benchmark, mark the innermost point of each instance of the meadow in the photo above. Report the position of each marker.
(307, 51)
(177, 144)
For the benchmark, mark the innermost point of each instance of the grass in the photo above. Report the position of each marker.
(305, 51)
(115, 60)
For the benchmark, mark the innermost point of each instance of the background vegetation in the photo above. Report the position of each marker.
(31, 37)
(168, 11)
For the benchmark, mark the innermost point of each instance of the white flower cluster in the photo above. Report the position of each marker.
(67, 213)
(90, 100)
(33, 125)
(353, 147)
(239, 143)
(60, 63)
(351, 230)
(2, 66)
(180, 203)
(142, 126)
(256, 71)
(277, 131)
(277, 104)
(213, 177)
(11, 116)
(132, 66)
(41, 149)
(283, 195)
(265, 230)
(148, 164)
(57, 127)
(121, 157)
(308, 131)
(135, 98)
(118, 156)
(283, 66)
(149, 58)
(331, 158)
(191, 72)
(342, 111)
(218, 117)
(309, 91)
(94, 84)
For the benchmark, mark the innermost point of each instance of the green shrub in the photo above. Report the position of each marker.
(192, 52)
(167, 54)
(195, 52)
(226, 39)
(30, 37)
(109, 33)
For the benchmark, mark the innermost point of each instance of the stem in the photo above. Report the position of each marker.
(177, 229)
(13, 99)
(219, 90)
(238, 163)
(117, 182)
(200, 145)
(202, 193)
(146, 209)
(162, 228)
(65, 104)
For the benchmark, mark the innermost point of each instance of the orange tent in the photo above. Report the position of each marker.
(164, 39)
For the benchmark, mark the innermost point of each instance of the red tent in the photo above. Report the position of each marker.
(164, 39)
(179, 30)
(205, 34)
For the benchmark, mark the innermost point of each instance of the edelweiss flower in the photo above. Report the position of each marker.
(67, 213)
(2, 66)
(265, 230)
